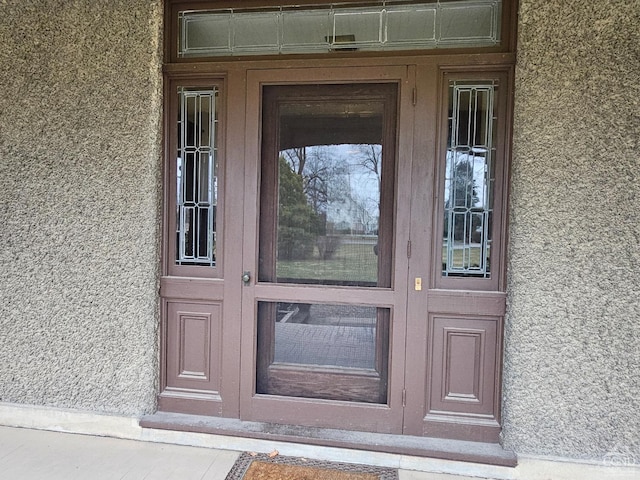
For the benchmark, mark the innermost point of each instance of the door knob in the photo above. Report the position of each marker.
(246, 278)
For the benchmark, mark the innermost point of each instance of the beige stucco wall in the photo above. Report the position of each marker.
(572, 359)
(79, 198)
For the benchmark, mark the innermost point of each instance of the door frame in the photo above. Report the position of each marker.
(227, 292)
(215, 299)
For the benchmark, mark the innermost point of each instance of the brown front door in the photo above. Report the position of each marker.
(324, 303)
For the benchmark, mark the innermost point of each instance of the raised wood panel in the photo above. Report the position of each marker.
(463, 356)
(193, 350)
(462, 372)
(462, 393)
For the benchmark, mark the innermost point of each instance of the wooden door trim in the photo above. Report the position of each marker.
(239, 145)
(215, 288)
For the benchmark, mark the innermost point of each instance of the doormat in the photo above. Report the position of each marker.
(256, 466)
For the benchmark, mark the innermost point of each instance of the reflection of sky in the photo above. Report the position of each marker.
(362, 181)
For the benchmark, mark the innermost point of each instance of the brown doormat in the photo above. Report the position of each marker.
(263, 467)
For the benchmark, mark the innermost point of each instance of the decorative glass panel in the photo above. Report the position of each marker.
(196, 177)
(255, 32)
(469, 180)
(380, 25)
(357, 27)
(306, 30)
(411, 25)
(206, 34)
(468, 23)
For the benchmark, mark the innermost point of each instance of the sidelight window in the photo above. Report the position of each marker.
(469, 180)
(196, 177)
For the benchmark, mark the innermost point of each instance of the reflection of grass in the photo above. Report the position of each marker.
(355, 262)
(358, 263)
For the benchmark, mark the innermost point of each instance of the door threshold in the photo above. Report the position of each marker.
(444, 449)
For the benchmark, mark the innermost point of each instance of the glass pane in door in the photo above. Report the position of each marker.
(334, 352)
(327, 201)
(469, 180)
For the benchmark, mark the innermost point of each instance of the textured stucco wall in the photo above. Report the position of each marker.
(572, 359)
(79, 202)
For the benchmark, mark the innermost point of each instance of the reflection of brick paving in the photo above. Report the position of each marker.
(319, 314)
(342, 314)
(332, 345)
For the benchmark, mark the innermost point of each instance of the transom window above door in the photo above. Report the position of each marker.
(342, 26)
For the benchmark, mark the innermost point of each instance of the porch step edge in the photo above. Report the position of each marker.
(437, 448)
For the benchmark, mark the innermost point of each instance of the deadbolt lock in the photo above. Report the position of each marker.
(418, 284)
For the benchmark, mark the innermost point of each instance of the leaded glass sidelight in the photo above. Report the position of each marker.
(469, 179)
(196, 176)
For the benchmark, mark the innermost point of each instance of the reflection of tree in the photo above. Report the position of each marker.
(327, 173)
(317, 169)
(298, 223)
(370, 157)
(462, 200)
(297, 159)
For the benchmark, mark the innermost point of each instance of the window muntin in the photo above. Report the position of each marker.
(469, 179)
(196, 177)
(381, 25)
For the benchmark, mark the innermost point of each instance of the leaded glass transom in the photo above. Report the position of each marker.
(344, 26)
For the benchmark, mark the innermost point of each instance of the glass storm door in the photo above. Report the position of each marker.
(320, 298)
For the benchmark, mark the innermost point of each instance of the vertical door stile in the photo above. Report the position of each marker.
(249, 237)
(406, 154)
(235, 176)
(423, 130)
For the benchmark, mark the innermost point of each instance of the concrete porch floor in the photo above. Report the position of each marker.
(30, 454)
(27, 454)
